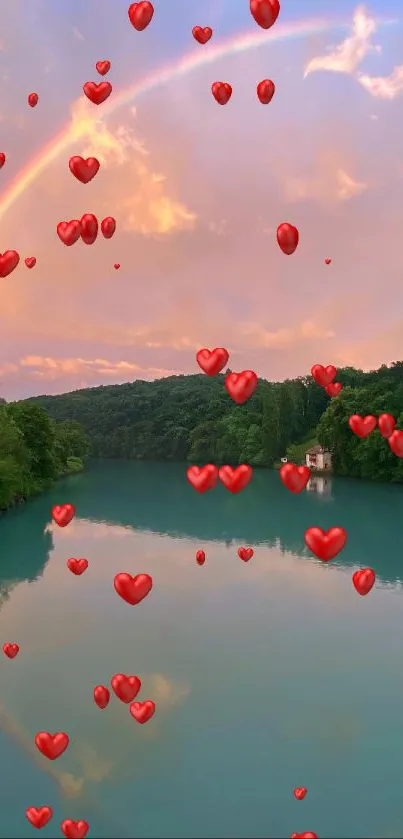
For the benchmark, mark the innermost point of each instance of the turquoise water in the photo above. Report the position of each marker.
(266, 675)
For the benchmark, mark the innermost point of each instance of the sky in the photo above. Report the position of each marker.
(198, 191)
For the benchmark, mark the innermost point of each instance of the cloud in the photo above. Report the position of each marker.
(347, 56)
(332, 184)
(383, 87)
(52, 369)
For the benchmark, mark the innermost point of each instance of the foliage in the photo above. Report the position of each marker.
(35, 450)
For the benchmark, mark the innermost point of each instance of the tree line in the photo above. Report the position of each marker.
(35, 450)
(191, 418)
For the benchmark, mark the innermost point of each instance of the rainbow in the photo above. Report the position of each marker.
(199, 57)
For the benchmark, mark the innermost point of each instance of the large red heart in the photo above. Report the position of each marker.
(8, 262)
(103, 67)
(362, 426)
(235, 479)
(300, 793)
(202, 34)
(52, 745)
(11, 650)
(108, 227)
(69, 231)
(287, 238)
(265, 91)
(265, 12)
(386, 425)
(89, 228)
(133, 589)
(97, 93)
(212, 361)
(140, 14)
(2, 159)
(126, 688)
(245, 553)
(84, 170)
(74, 830)
(142, 711)
(334, 388)
(33, 100)
(200, 557)
(364, 580)
(240, 386)
(62, 514)
(295, 478)
(77, 566)
(222, 92)
(396, 443)
(325, 545)
(323, 375)
(202, 478)
(101, 696)
(39, 816)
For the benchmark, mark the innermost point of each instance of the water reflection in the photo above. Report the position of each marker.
(321, 484)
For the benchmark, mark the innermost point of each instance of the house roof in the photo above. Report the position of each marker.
(315, 450)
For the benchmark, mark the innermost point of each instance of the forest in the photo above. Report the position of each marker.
(35, 451)
(192, 419)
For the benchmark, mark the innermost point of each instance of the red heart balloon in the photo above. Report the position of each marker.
(108, 227)
(84, 170)
(245, 553)
(300, 793)
(39, 816)
(140, 14)
(265, 12)
(89, 228)
(334, 388)
(33, 100)
(364, 580)
(200, 557)
(62, 514)
(97, 93)
(265, 91)
(8, 262)
(386, 425)
(74, 830)
(133, 589)
(2, 159)
(396, 443)
(142, 711)
(222, 92)
(295, 478)
(235, 479)
(77, 566)
(69, 232)
(202, 478)
(323, 376)
(103, 67)
(212, 361)
(362, 426)
(202, 35)
(101, 696)
(52, 745)
(325, 545)
(240, 386)
(30, 261)
(126, 688)
(11, 650)
(287, 238)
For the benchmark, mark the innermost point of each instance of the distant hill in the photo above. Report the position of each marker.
(192, 418)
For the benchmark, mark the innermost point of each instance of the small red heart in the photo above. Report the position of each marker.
(364, 580)
(11, 650)
(235, 479)
(287, 238)
(97, 92)
(327, 261)
(245, 553)
(295, 478)
(69, 231)
(77, 566)
(52, 745)
(101, 696)
(222, 92)
(362, 426)
(116, 265)
(240, 386)
(103, 67)
(142, 711)
(212, 361)
(74, 830)
(84, 170)
(200, 557)
(202, 478)
(140, 14)
(334, 388)
(30, 261)
(108, 227)
(62, 514)
(33, 99)
(396, 443)
(265, 12)
(300, 793)
(89, 228)
(39, 816)
(325, 545)
(323, 376)
(307, 835)
(126, 688)
(265, 91)
(202, 35)
(133, 589)
(386, 425)
(8, 262)
(2, 159)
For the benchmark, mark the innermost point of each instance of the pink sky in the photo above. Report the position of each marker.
(198, 191)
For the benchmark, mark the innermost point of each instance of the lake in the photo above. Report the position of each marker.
(267, 675)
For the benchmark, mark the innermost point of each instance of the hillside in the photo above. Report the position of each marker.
(191, 418)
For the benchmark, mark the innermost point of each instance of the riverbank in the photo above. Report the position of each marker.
(74, 465)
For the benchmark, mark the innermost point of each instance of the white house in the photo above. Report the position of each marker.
(319, 459)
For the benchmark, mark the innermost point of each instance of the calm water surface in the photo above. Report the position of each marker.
(266, 675)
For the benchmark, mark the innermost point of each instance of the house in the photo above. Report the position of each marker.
(319, 459)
